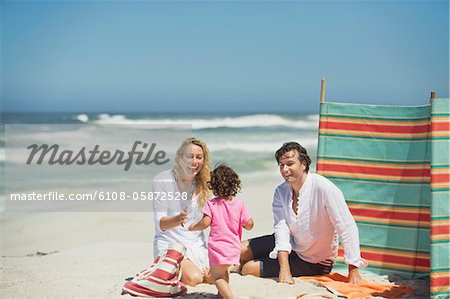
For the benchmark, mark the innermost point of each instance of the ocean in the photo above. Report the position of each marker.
(246, 142)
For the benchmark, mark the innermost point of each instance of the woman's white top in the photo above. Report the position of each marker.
(194, 241)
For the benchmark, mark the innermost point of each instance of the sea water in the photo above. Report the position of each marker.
(246, 142)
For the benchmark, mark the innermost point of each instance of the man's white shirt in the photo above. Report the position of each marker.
(322, 216)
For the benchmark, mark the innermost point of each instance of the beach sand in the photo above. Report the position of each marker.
(89, 255)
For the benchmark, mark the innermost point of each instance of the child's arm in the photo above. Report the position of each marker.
(249, 224)
(202, 224)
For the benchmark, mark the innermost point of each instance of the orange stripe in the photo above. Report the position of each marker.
(440, 170)
(440, 281)
(375, 121)
(440, 118)
(440, 134)
(440, 178)
(413, 224)
(396, 252)
(376, 177)
(440, 229)
(390, 208)
(439, 289)
(440, 185)
(425, 217)
(379, 164)
(436, 238)
(441, 222)
(374, 134)
(396, 259)
(423, 265)
(375, 170)
(440, 126)
(374, 128)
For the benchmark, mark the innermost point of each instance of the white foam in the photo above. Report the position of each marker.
(259, 147)
(83, 118)
(247, 121)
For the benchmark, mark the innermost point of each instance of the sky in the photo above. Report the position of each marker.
(220, 56)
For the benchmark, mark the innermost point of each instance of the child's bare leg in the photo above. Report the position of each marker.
(221, 279)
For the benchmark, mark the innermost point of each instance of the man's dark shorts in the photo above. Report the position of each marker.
(262, 246)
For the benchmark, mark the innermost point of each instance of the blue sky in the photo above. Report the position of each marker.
(220, 56)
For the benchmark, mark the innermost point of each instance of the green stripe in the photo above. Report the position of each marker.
(440, 114)
(376, 181)
(391, 118)
(417, 151)
(399, 270)
(374, 137)
(386, 269)
(412, 195)
(438, 269)
(439, 189)
(439, 138)
(424, 206)
(440, 217)
(391, 225)
(434, 294)
(433, 166)
(440, 242)
(384, 161)
(395, 249)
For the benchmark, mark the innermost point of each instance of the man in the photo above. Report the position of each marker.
(309, 214)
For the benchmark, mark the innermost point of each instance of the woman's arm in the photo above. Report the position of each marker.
(168, 222)
(202, 224)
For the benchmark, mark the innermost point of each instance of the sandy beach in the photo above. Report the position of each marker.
(81, 255)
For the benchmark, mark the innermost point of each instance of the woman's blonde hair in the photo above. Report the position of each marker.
(203, 176)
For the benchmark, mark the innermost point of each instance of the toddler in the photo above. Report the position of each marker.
(227, 216)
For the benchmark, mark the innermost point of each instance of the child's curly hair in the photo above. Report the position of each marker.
(224, 182)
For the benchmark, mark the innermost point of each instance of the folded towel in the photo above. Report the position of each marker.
(339, 283)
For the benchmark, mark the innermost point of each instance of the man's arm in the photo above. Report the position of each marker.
(285, 275)
(281, 229)
(345, 225)
(282, 234)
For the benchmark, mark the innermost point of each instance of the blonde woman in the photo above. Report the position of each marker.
(187, 179)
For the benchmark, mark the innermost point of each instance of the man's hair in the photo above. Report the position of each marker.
(294, 146)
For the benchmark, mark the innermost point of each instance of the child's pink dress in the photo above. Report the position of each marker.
(227, 218)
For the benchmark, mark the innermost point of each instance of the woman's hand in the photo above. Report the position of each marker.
(182, 217)
(169, 222)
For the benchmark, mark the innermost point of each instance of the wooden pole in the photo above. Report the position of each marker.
(433, 95)
(322, 90)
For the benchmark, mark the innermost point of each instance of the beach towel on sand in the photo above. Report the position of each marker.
(338, 284)
(160, 279)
